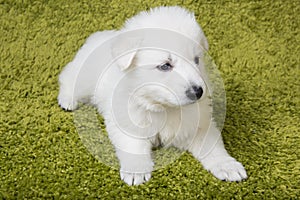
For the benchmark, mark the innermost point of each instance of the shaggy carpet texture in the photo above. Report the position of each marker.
(256, 46)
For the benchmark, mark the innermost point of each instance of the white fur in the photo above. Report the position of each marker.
(142, 105)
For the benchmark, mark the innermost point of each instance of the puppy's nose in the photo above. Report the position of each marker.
(194, 93)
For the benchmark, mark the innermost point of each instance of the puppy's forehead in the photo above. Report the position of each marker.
(167, 39)
(187, 51)
(156, 55)
(153, 56)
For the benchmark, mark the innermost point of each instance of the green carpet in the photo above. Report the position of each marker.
(256, 46)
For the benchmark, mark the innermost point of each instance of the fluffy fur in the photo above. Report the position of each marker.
(150, 96)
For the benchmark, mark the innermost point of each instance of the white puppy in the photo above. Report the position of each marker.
(149, 82)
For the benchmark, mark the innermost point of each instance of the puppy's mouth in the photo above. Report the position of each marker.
(157, 106)
(177, 104)
(161, 103)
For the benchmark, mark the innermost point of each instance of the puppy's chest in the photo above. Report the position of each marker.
(180, 125)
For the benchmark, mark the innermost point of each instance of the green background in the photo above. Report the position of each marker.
(256, 46)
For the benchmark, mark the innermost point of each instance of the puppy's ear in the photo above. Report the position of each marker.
(124, 51)
(204, 43)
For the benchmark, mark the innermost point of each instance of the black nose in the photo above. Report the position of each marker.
(194, 93)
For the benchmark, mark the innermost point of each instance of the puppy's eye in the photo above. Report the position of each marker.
(196, 60)
(165, 67)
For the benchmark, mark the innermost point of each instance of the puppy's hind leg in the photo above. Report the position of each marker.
(79, 77)
(67, 79)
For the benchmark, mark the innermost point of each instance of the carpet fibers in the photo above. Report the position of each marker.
(255, 44)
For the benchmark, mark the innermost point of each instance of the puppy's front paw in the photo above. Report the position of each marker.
(135, 178)
(229, 171)
(66, 102)
(135, 168)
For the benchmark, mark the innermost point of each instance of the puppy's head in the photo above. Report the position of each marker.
(163, 59)
(160, 78)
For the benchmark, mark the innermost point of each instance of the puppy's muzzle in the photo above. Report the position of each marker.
(194, 93)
